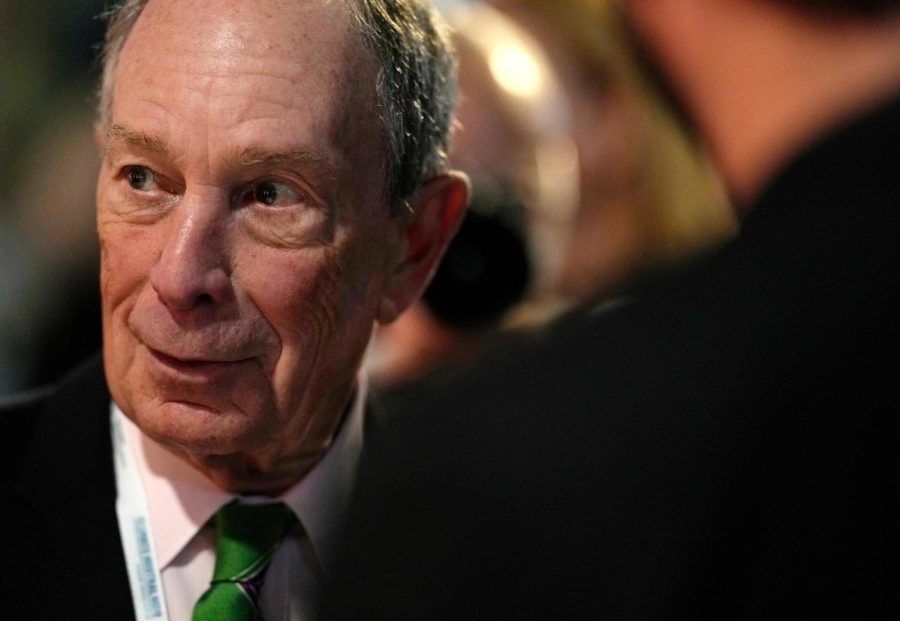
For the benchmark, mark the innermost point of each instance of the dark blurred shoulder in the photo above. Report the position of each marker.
(21, 413)
(18, 416)
(507, 357)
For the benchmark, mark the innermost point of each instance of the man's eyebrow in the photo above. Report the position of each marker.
(120, 133)
(252, 156)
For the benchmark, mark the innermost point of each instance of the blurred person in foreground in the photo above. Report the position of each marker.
(721, 446)
(273, 182)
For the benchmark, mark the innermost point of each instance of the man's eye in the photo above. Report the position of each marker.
(274, 194)
(140, 177)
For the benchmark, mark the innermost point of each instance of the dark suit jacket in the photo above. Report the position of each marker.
(61, 557)
(719, 448)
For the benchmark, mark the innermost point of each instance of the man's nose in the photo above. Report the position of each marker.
(193, 269)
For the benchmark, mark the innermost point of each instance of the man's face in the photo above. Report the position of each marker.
(246, 244)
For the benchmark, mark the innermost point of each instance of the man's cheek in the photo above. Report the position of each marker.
(127, 250)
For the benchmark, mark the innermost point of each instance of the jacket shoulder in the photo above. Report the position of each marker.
(18, 416)
(27, 403)
(21, 413)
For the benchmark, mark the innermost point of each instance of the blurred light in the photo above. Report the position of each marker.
(516, 71)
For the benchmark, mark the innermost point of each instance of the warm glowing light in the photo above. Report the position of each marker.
(516, 71)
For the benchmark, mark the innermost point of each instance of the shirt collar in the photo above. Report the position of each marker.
(180, 500)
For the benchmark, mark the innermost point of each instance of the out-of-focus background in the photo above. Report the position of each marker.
(49, 313)
(583, 179)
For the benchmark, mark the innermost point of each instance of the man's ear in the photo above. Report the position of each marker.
(437, 207)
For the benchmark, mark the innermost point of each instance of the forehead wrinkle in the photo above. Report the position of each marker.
(307, 56)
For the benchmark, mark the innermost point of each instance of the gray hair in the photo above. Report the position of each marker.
(415, 85)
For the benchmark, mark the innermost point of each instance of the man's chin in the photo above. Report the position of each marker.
(199, 429)
(240, 473)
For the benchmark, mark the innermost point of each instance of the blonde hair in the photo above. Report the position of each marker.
(681, 204)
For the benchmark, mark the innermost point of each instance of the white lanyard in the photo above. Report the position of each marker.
(134, 528)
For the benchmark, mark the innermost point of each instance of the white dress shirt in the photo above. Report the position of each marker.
(181, 500)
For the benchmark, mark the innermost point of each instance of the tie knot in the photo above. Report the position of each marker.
(246, 538)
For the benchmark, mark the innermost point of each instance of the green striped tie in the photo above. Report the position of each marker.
(247, 537)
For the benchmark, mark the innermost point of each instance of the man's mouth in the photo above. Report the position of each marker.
(194, 363)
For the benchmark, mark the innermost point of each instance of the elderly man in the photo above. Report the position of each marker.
(721, 447)
(272, 183)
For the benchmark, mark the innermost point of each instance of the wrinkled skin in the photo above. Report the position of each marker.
(247, 246)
